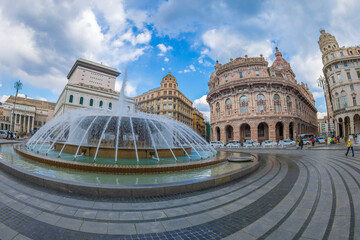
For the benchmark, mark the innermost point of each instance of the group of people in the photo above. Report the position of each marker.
(10, 135)
(334, 140)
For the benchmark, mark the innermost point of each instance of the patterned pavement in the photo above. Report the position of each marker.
(309, 194)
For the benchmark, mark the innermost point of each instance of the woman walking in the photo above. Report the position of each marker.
(349, 146)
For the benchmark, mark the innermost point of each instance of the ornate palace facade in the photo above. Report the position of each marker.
(342, 84)
(249, 100)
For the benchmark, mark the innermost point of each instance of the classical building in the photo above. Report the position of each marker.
(25, 114)
(167, 100)
(199, 122)
(90, 85)
(342, 89)
(249, 100)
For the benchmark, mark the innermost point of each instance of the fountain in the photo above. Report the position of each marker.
(139, 154)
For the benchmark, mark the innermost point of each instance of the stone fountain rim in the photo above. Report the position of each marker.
(111, 190)
(104, 168)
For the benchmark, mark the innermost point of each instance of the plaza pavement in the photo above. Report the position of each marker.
(308, 194)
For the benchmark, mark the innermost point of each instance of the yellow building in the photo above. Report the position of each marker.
(167, 100)
(198, 122)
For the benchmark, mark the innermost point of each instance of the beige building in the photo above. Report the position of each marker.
(325, 127)
(90, 85)
(25, 115)
(342, 89)
(199, 122)
(249, 100)
(167, 100)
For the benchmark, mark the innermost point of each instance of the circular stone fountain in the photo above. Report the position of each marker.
(98, 141)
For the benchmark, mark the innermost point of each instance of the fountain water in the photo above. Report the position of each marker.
(119, 134)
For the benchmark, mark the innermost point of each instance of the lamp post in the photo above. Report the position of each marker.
(321, 83)
(18, 86)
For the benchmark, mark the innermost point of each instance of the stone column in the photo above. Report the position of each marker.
(254, 131)
(286, 131)
(352, 126)
(28, 124)
(32, 122)
(272, 131)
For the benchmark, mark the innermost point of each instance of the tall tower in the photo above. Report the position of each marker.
(327, 42)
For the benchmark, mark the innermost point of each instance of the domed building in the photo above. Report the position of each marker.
(250, 100)
(167, 100)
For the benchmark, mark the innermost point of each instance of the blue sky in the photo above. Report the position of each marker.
(40, 40)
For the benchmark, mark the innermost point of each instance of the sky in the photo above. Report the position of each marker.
(41, 40)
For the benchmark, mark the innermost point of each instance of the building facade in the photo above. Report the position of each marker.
(325, 127)
(25, 115)
(249, 100)
(90, 85)
(167, 100)
(199, 122)
(342, 89)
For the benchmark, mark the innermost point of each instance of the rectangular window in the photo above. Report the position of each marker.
(332, 55)
(354, 101)
(333, 79)
(355, 63)
(241, 75)
(339, 78)
(327, 58)
(169, 106)
(330, 68)
(158, 107)
(336, 66)
(345, 64)
(358, 51)
(174, 106)
(165, 92)
(348, 75)
(351, 53)
(164, 106)
(358, 73)
(257, 73)
(272, 73)
(226, 79)
(165, 99)
(341, 54)
(351, 87)
(169, 114)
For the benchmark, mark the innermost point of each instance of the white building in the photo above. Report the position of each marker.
(326, 128)
(90, 85)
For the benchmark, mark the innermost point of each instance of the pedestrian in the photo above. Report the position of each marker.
(313, 142)
(301, 143)
(349, 146)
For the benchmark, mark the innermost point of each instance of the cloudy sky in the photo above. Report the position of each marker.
(40, 40)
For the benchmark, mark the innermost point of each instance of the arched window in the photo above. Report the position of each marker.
(228, 106)
(288, 102)
(101, 104)
(343, 97)
(244, 108)
(91, 102)
(277, 104)
(71, 98)
(81, 100)
(261, 103)
(217, 109)
(110, 105)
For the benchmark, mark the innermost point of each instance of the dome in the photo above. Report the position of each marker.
(280, 63)
(169, 78)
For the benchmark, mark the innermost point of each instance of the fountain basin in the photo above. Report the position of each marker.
(116, 168)
(124, 152)
(122, 185)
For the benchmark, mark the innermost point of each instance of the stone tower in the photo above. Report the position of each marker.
(327, 42)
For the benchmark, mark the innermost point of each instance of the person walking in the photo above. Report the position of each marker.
(349, 146)
(313, 142)
(301, 143)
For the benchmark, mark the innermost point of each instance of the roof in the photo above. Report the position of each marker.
(94, 66)
(32, 102)
(168, 77)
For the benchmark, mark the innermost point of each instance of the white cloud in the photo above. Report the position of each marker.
(321, 115)
(190, 68)
(162, 69)
(163, 49)
(318, 94)
(166, 59)
(41, 98)
(0, 85)
(3, 98)
(130, 89)
(201, 104)
(224, 44)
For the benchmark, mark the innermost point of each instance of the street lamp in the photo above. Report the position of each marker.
(18, 86)
(322, 83)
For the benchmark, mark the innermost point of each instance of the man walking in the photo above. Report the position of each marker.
(301, 143)
(349, 146)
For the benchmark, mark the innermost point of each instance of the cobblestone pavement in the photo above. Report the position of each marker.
(294, 195)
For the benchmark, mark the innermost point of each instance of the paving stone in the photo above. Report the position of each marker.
(48, 218)
(69, 223)
(175, 224)
(154, 215)
(94, 227)
(84, 213)
(121, 228)
(149, 227)
(131, 216)
(6, 233)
